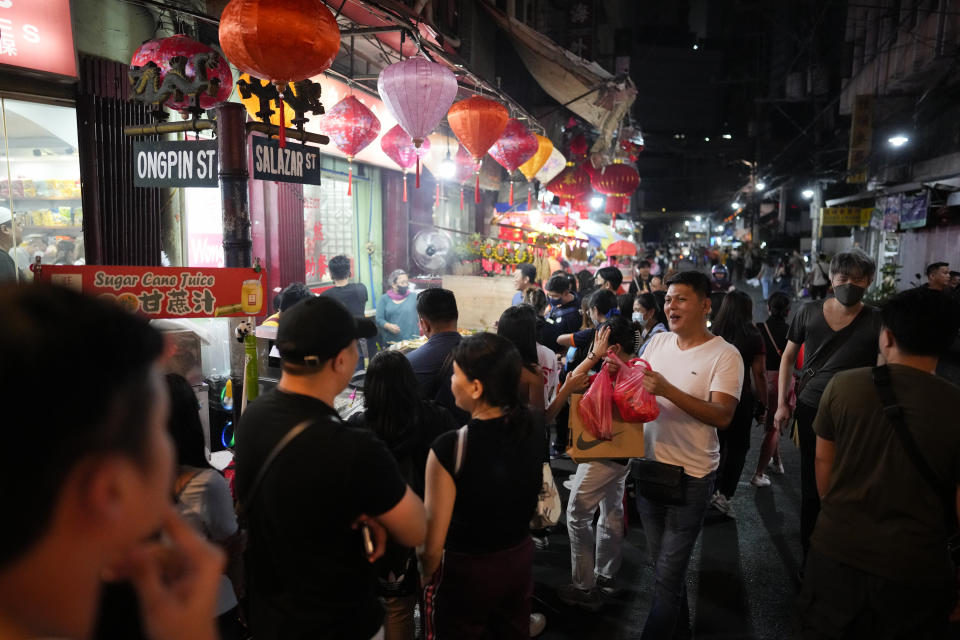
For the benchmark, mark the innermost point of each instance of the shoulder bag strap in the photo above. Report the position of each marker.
(772, 341)
(289, 436)
(183, 487)
(894, 413)
(828, 348)
(461, 451)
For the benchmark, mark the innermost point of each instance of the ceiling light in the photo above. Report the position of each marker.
(727, 136)
(734, 205)
(696, 47)
(697, 218)
(706, 139)
(676, 235)
(898, 140)
(448, 170)
(761, 185)
(807, 193)
(596, 202)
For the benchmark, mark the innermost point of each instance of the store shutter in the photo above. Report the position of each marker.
(121, 222)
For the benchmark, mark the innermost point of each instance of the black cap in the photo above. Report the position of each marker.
(316, 329)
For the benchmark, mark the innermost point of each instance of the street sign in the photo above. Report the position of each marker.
(167, 292)
(297, 163)
(191, 163)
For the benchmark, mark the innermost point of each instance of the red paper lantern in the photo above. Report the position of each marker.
(514, 147)
(578, 146)
(162, 50)
(617, 181)
(399, 147)
(477, 122)
(280, 40)
(351, 127)
(573, 181)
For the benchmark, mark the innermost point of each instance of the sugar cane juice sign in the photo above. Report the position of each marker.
(192, 163)
(296, 163)
(167, 292)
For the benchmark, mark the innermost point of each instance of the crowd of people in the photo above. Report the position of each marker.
(422, 503)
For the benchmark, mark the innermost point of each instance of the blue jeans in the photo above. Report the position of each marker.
(765, 283)
(671, 533)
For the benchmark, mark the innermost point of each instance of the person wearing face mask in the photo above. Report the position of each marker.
(837, 334)
(648, 313)
(397, 310)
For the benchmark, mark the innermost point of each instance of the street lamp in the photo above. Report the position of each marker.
(697, 218)
(761, 185)
(807, 193)
(898, 140)
(734, 205)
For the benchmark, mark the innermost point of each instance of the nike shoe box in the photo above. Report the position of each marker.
(627, 439)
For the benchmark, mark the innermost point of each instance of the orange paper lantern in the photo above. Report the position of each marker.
(530, 168)
(478, 122)
(279, 40)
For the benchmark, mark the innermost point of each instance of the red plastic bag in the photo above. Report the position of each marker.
(635, 403)
(596, 406)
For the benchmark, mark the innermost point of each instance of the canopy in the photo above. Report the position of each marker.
(621, 248)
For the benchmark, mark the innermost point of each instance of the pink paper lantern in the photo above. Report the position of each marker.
(418, 93)
(351, 127)
(399, 147)
(515, 146)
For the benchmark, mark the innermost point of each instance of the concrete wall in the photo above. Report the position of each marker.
(111, 29)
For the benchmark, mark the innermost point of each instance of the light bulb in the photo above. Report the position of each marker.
(447, 168)
(807, 193)
(596, 202)
(761, 185)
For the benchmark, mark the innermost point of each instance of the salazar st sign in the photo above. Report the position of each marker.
(296, 163)
(175, 164)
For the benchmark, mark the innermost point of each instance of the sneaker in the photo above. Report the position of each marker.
(759, 480)
(722, 504)
(608, 586)
(538, 622)
(589, 600)
(568, 484)
(776, 467)
(541, 543)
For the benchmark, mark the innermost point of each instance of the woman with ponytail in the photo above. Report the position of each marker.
(482, 484)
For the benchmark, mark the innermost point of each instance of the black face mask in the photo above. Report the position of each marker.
(849, 294)
(403, 290)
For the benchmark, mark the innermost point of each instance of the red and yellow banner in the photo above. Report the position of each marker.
(167, 292)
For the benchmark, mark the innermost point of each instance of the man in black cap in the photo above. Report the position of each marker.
(309, 571)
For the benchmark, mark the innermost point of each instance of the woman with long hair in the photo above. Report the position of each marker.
(408, 425)
(482, 484)
(734, 323)
(519, 325)
(202, 496)
(774, 335)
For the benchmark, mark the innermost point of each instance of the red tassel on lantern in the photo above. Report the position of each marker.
(418, 172)
(437, 203)
(511, 194)
(461, 199)
(404, 187)
(476, 192)
(350, 181)
(529, 199)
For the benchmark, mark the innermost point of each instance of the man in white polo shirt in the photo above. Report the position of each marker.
(696, 377)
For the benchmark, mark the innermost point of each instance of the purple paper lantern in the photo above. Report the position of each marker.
(418, 94)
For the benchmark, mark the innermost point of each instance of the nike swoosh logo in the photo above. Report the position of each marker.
(584, 444)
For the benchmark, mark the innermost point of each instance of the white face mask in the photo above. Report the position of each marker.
(637, 316)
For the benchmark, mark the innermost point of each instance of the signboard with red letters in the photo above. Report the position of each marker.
(37, 35)
(167, 292)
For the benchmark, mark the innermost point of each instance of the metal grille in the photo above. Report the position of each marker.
(121, 222)
(328, 224)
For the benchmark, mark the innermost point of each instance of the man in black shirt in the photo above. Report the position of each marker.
(564, 316)
(8, 267)
(307, 571)
(352, 295)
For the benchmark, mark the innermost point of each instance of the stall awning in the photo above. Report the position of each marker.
(582, 86)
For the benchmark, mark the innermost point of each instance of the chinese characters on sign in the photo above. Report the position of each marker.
(846, 216)
(167, 292)
(37, 35)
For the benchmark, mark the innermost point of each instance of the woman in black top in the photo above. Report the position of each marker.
(407, 425)
(734, 324)
(481, 491)
(774, 335)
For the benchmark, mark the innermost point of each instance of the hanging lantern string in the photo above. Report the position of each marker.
(282, 138)
(350, 177)
(418, 168)
(404, 186)
(476, 192)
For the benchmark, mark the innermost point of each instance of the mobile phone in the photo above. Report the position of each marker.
(368, 546)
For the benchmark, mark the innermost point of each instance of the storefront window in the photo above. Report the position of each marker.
(329, 226)
(40, 182)
(204, 227)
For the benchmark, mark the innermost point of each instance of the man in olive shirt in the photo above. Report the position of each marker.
(878, 565)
